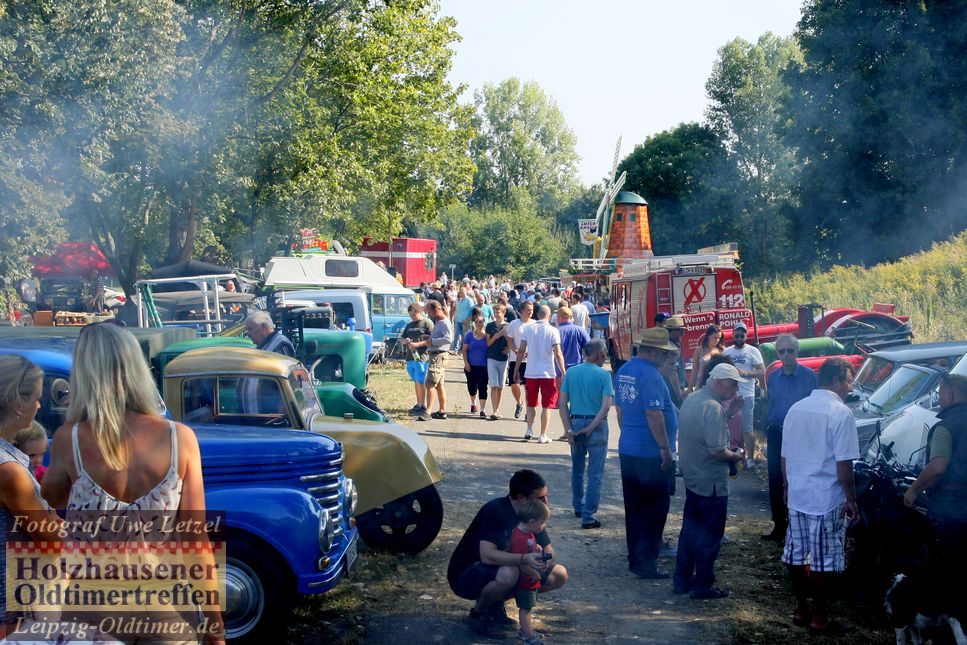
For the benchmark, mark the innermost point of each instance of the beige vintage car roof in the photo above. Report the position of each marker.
(230, 360)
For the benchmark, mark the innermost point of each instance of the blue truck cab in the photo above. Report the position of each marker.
(287, 504)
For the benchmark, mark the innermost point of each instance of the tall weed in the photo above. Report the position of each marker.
(929, 287)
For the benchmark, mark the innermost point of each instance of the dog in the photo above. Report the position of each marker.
(904, 601)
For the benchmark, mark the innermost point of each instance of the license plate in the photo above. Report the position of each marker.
(351, 552)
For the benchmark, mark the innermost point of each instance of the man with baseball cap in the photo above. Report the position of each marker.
(705, 458)
(749, 362)
(649, 424)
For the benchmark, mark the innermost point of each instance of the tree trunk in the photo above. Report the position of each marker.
(182, 230)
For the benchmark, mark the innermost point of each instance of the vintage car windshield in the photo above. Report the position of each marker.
(874, 371)
(305, 394)
(905, 385)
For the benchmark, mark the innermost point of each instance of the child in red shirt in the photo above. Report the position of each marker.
(533, 516)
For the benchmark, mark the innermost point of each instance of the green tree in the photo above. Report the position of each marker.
(879, 119)
(163, 125)
(517, 243)
(523, 143)
(747, 91)
(689, 182)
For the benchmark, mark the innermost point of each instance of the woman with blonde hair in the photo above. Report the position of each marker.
(21, 385)
(116, 452)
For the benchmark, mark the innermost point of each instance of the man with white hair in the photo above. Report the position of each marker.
(703, 444)
(262, 331)
(786, 386)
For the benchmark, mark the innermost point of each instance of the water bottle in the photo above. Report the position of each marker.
(733, 466)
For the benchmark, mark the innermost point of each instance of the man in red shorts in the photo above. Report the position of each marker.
(541, 343)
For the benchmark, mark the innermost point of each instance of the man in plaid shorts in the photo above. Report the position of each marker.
(819, 444)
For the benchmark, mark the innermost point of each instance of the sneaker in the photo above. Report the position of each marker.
(751, 465)
(473, 409)
(518, 410)
(543, 439)
(711, 593)
(593, 524)
(439, 415)
(534, 639)
(483, 415)
(416, 410)
(424, 416)
(495, 417)
(528, 434)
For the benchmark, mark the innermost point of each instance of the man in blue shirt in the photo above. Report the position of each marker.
(573, 338)
(461, 315)
(586, 396)
(649, 425)
(792, 383)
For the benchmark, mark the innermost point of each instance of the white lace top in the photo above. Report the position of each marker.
(87, 495)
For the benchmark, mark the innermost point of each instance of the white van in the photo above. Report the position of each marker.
(338, 279)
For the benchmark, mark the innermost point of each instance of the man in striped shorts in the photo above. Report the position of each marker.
(819, 444)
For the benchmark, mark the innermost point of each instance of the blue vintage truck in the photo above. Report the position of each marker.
(288, 506)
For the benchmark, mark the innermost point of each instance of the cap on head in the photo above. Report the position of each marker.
(675, 322)
(724, 371)
(740, 325)
(656, 338)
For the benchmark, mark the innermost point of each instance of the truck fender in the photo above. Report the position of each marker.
(386, 460)
(286, 519)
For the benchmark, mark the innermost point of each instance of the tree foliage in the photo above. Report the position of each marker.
(879, 118)
(517, 243)
(746, 93)
(523, 144)
(163, 124)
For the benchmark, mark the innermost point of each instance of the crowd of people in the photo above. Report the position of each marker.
(701, 431)
(507, 335)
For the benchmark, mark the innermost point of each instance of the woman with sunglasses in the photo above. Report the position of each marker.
(117, 455)
(21, 384)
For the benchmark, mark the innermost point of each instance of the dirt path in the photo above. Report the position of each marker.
(602, 602)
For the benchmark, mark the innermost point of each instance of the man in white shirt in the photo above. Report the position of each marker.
(541, 343)
(516, 378)
(580, 311)
(819, 444)
(748, 361)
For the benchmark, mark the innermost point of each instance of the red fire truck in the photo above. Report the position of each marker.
(702, 288)
(706, 288)
(413, 258)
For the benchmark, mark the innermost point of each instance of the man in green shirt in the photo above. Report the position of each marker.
(703, 444)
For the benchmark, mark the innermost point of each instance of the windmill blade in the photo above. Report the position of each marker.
(614, 164)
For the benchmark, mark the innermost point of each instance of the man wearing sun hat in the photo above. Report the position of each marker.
(705, 457)
(649, 424)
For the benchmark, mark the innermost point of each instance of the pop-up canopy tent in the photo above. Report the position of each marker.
(189, 269)
(72, 259)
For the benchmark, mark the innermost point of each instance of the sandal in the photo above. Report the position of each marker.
(495, 417)
(439, 415)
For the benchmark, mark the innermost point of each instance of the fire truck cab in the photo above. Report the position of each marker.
(703, 288)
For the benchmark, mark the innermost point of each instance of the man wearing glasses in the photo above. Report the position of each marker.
(786, 386)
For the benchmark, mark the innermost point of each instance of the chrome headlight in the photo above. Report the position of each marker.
(327, 531)
(351, 499)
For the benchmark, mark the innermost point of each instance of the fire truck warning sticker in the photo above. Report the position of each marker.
(694, 293)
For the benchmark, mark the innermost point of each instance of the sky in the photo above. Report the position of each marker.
(628, 68)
